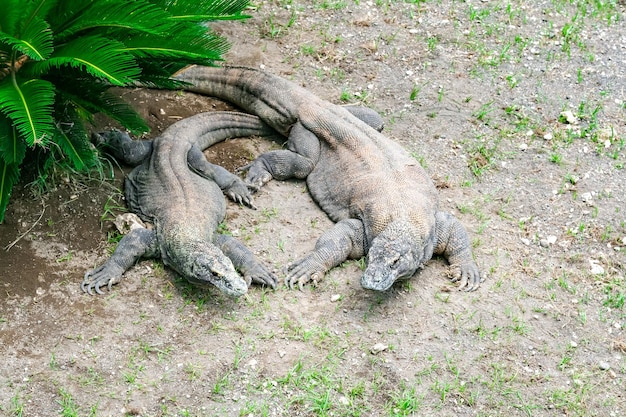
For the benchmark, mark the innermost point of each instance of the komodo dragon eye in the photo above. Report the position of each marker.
(394, 262)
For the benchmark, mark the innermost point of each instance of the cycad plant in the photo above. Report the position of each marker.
(58, 59)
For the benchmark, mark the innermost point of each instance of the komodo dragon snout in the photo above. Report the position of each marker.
(211, 266)
(392, 256)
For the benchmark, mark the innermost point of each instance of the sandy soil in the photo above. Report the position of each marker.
(479, 92)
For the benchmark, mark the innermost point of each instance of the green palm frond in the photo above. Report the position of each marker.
(71, 138)
(12, 147)
(9, 174)
(157, 73)
(89, 98)
(101, 57)
(204, 10)
(203, 48)
(10, 17)
(11, 154)
(133, 16)
(35, 40)
(58, 59)
(29, 105)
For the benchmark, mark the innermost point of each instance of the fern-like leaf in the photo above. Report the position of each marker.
(11, 16)
(29, 105)
(157, 73)
(190, 44)
(204, 10)
(9, 174)
(12, 147)
(89, 98)
(101, 57)
(133, 16)
(72, 138)
(35, 41)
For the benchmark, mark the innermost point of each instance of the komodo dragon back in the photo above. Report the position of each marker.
(180, 192)
(384, 205)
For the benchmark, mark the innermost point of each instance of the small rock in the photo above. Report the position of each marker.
(573, 344)
(523, 146)
(544, 243)
(605, 366)
(343, 400)
(569, 117)
(526, 241)
(126, 222)
(551, 239)
(282, 353)
(335, 298)
(378, 347)
(596, 268)
(547, 136)
(586, 197)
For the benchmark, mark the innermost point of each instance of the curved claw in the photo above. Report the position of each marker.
(97, 278)
(240, 194)
(303, 272)
(261, 276)
(257, 175)
(468, 277)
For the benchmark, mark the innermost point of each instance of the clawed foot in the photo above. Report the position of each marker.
(240, 193)
(303, 272)
(257, 175)
(100, 277)
(261, 276)
(467, 275)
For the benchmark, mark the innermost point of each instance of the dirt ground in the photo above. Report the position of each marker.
(515, 108)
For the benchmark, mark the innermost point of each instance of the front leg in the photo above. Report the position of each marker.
(346, 240)
(245, 262)
(230, 184)
(454, 243)
(280, 165)
(136, 244)
(296, 162)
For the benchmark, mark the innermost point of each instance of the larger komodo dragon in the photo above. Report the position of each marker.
(384, 204)
(185, 206)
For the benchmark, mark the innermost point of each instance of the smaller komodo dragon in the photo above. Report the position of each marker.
(384, 204)
(180, 192)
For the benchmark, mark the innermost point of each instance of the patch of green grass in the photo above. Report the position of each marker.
(17, 406)
(405, 402)
(68, 407)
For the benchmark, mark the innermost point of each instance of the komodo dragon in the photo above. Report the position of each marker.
(384, 204)
(185, 207)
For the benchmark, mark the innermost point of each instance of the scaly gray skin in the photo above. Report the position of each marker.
(185, 206)
(384, 204)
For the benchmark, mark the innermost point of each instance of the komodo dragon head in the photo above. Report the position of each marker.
(206, 264)
(396, 253)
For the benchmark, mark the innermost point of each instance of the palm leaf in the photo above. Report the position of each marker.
(72, 138)
(12, 147)
(204, 10)
(35, 41)
(133, 16)
(89, 98)
(190, 43)
(157, 73)
(10, 17)
(9, 174)
(29, 105)
(101, 57)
